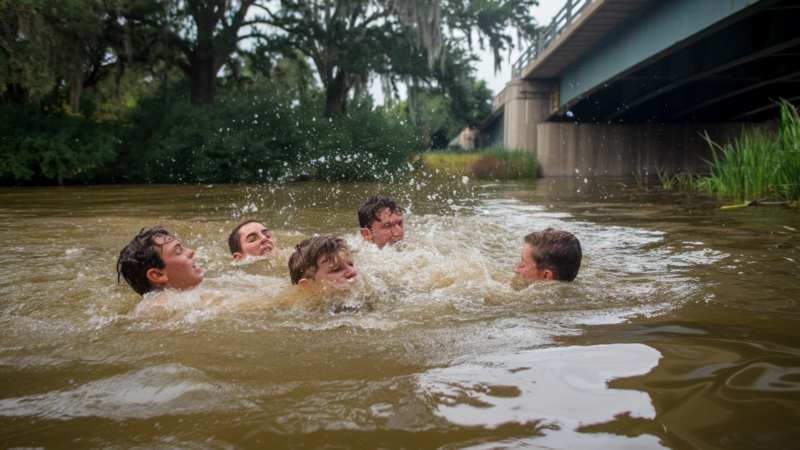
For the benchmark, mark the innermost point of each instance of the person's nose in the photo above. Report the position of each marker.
(350, 272)
(519, 267)
(190, 253)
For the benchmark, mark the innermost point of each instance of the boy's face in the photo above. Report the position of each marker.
(255, 240)
(180, 271)
(389, 230)
(527, 266)
(338, 270)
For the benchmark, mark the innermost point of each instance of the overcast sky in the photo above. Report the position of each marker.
(543, 14)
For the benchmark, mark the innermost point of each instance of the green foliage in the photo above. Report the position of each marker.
(48, 47)
(666, 182)
(490, 164)
(239, 139)
(682, 181)
(760, 164)
(638, 177)
(363, 145)
(351, 40)
(258, 134)
(685, 181)
(51, 147)
(126, 70)
(441, 113)
(504, 164)
(450, 164)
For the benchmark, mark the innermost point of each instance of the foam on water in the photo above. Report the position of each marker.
(151, 392)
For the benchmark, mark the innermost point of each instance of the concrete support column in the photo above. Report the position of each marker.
(527, 104)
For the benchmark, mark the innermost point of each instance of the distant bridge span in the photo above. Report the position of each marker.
(614, 86)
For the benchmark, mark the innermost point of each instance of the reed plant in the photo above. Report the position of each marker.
(502, 163)
(685, 181)
(758, 165)
(638, 177)
(666, 182)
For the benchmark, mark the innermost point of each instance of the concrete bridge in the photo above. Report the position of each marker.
(612, 87)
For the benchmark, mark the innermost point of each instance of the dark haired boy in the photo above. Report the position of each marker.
(321, 258)
(251, 238)
(156, 260)
(381, 221)
(550, 255)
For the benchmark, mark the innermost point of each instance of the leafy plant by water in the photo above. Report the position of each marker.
(495, 163)
(38, 145)
(758, 165)
(666, 182)
(685, 181)
(638, 177)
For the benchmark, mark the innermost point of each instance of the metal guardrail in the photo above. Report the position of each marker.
(564, 18)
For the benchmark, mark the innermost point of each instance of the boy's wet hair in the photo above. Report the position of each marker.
(369, 211)
(303, 262)
(233, 239)
(141, 255)
(557, 251)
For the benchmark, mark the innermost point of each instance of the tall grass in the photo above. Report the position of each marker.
(494, 163)
(757, 166)
(450, 163)
(666, 182)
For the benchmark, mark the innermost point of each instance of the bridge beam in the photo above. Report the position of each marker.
(661, 28)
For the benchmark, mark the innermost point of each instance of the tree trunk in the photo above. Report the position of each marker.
(336, 96)
(75, 92)
(203, 76)
(426, 135)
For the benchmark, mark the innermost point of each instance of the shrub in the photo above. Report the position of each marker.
(257, 135)
(504, 164)
(366, 144)
(243, 137)
(42, 147)
(488, 164)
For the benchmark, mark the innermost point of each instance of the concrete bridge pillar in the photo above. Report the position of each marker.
(527, 104)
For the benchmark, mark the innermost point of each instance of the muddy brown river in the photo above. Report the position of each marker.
(682, 330)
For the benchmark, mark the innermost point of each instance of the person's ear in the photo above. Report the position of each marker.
(237, 257)
(547, 274)
(302, 282)
(366, 233)
(156, 276)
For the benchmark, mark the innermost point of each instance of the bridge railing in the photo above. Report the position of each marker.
(564, 18)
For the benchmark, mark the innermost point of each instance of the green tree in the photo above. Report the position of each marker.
(207, 33)
(349, 40)
(453, 100)
(55, 47)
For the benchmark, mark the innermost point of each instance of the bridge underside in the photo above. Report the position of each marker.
(732, 73)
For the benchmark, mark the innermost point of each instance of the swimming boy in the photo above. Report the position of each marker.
(550, 255)
(156, 260)
(381, 221)
(251, 238)
(321, 258)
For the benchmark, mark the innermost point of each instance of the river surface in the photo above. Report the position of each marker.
(681, 331)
